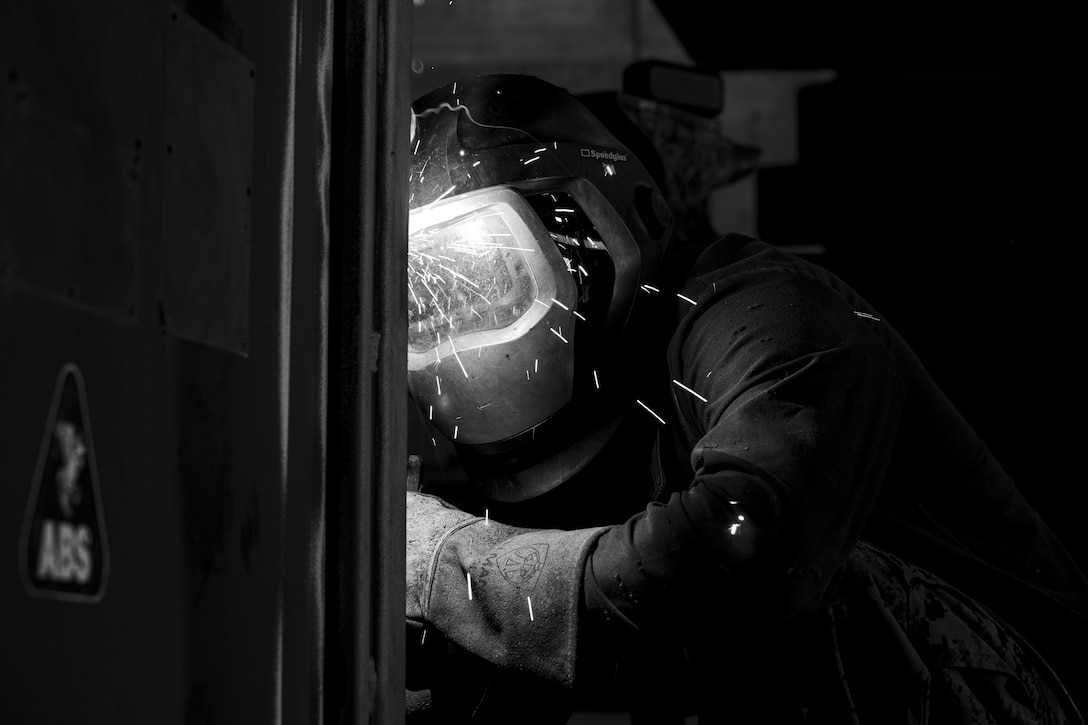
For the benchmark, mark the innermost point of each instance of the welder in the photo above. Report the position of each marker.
(722, 486)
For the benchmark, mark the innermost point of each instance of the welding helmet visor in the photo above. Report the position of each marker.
(526, 246)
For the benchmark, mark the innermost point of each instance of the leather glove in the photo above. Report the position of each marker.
(507, 595)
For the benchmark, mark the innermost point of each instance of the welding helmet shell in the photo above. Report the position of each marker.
(531, 228)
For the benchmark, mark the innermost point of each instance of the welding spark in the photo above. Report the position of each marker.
(438, 381)
(441, 196)
(469, 575)
(455, 432)
(558, 334)
(455, 355)
(526, 163)
(647, 409)
(474, 165)
(649, 288)
(530, 608)
(543, 304)
(686, 299)
(733, 529)
(541, 149)
(583, 270)
(560, 304)
(866, 315)
(536, 365)
(458, 275)
(677, 382)
(579, 315)
(430, 412)
(563, 210)
(596, 380)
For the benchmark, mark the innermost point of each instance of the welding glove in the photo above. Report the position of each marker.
(507, 595)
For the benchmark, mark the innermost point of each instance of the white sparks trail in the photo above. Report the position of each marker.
(438, 382)
(535, 158)
(866, 315)
(560, 304)
(686, 299)
(649, 288)
(536, 365)
(579, 315)
(424, 639)
(455, 432)
(526, 374)
(596, 380)
(541, 149)
(557, 334)
(529, 599)
(543, 304)
(487, 517)
(455, 355)
(430, 412)
(647, 409)
(469, 575)
(583, 270)
(677, 382)
(444, 194)
(460, 276)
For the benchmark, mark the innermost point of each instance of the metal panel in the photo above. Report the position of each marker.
(207, 180)
(367, 432)
(73, 122)
(211, 465)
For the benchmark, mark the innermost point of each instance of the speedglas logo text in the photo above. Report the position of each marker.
(603, 155)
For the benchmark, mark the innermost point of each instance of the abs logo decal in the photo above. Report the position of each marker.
(62, 551)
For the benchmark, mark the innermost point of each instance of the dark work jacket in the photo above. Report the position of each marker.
(804, 424)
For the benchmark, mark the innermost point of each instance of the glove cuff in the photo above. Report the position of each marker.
(512, 596)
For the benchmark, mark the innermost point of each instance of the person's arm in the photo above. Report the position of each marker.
(789, 451)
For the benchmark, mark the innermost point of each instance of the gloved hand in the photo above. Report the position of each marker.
(507, 595)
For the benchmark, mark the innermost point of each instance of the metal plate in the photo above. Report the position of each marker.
(71, 151)
(206, 188)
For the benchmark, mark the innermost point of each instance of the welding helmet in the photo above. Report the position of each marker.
(531, 229)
